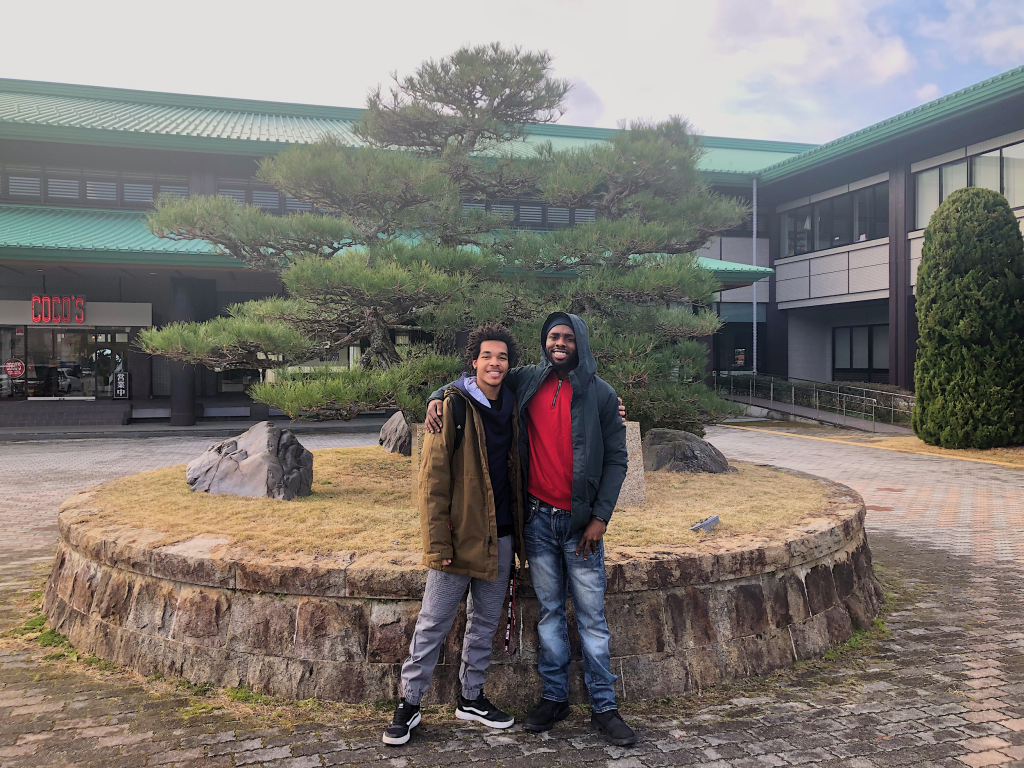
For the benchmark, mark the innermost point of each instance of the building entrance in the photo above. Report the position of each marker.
(64, 363)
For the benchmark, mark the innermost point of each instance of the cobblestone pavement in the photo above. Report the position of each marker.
(962, 507)
(37, 476)
(946, 689)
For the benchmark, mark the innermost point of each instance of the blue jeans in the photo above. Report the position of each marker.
(555, 568)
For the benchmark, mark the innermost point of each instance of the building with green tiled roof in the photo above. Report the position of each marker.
(80, 166)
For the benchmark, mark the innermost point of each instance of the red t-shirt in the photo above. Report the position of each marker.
(549, 422)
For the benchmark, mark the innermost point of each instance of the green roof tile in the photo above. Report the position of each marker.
(37, 233)
(116, 117)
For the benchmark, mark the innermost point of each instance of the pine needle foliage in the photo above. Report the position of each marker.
(969, 374)
(391, 247)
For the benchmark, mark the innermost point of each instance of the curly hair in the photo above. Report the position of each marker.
(491, 332)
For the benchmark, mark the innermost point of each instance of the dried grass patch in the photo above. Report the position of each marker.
(754, 501)
(362, 501)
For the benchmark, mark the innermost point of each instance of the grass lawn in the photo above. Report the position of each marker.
(362, 501)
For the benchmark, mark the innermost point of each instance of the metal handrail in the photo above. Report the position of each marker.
(823, 396)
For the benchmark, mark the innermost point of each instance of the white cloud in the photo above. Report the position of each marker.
(928, 92)
(805, 70)
(989, 30)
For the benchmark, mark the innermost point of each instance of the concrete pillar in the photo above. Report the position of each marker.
(777, 326)
(183, 376)
(902, 317)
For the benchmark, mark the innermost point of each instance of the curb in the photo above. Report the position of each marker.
(357, 426)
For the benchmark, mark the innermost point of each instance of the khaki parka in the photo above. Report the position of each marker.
(456, 501)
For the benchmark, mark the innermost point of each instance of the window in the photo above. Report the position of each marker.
(267, 199)
(1001, 170)
(97, 191)
(1013, 174)
(853, 217)
(861, 353)
(927, 187)
(954, 177)
(985, 170)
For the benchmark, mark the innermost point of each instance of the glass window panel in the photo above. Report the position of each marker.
(880, 347)
(954, 177)
(859, 343)
(881, 225)
(804, 227)
(863, 214)
(842, 220)
(927, 196)
(823, 225)
(985, 171)
(787, 235)
(1013, 174)
(841, 355)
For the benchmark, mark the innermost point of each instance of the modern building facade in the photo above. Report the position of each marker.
(80, 273)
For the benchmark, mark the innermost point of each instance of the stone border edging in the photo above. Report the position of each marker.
(338, 626)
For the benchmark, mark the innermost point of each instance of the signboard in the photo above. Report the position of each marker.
(14, 368)
(58, 310)
(739, 357)
(121, 385)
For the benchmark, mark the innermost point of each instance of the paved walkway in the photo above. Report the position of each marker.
(946, 690)
(961, 507)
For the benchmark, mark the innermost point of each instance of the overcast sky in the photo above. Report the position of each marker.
(798, 70)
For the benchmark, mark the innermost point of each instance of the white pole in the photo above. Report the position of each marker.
(754, 284)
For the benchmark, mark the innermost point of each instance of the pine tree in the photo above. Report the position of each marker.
(969, 375)
(393, 247)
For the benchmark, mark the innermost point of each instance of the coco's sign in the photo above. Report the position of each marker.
(63, 310)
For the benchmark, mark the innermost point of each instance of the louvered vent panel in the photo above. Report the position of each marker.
(558, 215)
(101, 190)
(505, 210)
(585, 215)
(531, 214)
(234, 194)
(24, 186)
(174, 190)
(291, 204)
(137, 192)
(470, 205)
(268, 199)
(64, 189)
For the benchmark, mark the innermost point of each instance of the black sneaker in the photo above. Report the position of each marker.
(481, 710)
(407, 717)
(613, 727)
(544, 716)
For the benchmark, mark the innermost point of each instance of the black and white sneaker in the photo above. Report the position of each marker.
(482, 711)
(407, 717)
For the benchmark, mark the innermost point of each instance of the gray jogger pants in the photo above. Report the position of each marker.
(440, 604)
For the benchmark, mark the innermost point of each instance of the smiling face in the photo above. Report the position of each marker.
(491, 365)
(560, 346)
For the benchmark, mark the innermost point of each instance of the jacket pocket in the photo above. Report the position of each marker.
(593, 483)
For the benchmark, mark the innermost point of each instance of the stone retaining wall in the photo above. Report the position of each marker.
(338, 627)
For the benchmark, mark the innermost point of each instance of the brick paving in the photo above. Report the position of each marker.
(946, 689)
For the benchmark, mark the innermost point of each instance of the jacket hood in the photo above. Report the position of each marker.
(587, 366)
(467, 385)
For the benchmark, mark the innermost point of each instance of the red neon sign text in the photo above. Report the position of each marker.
(58, 309)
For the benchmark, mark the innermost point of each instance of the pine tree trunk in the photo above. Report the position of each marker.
(381, 352)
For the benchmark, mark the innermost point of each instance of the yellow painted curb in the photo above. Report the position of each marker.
(869, 445)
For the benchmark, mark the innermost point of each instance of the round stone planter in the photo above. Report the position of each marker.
(338, 627)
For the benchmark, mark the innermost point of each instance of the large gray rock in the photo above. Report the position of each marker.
(263, 461)
(679, 451)
(395, 435)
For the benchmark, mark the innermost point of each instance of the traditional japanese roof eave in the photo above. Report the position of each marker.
(1001, 88)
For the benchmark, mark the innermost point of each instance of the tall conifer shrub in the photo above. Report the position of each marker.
(969, 376)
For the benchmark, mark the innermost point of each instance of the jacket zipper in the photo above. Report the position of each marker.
(557, 390)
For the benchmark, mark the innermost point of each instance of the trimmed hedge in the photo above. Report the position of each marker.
(969, 376)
